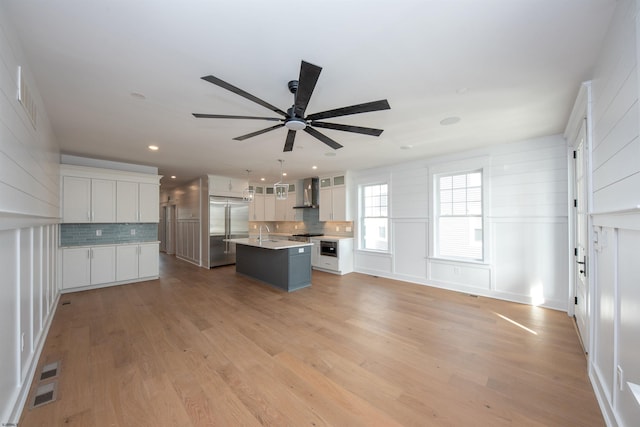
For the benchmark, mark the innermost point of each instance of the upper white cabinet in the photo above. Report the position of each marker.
(108, 196)
(137, 202)
(285, 208)
(269, 204)
(256, 207)
(333, 199)
(225, 186)
(88, 200)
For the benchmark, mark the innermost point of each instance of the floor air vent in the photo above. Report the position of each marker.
(50, 371)
(44, 394)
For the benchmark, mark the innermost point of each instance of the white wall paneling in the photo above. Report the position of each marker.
(29, 213)
(410, 249)
(616, 216)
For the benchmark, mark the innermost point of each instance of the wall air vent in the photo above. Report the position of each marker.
(26, 99)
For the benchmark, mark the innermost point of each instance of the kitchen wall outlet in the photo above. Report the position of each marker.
(98, 233)
(133, 231)
(295, 227)
(22, 342)
(337, 228)
(255, 226)
(277, 226)
(456, 271)
(348, 229)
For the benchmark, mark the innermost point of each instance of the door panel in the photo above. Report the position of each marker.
(581, 239)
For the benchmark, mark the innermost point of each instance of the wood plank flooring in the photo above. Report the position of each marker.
(211, 348)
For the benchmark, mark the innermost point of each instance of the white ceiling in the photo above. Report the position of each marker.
(510, 69)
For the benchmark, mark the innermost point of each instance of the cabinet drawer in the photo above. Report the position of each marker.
(328, 262)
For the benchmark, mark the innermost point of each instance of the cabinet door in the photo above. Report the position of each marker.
(281, 209)
(326, 205)
(126, 262)
(339, 203)
(315, 253)
(149, 207)
(103, 200)
(76, 267)
(256, 208)
(148, 265)
(103, 264)
(76, 199)
(126, 201)
(270, 207)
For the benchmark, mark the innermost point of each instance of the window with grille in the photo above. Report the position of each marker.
(459, 216)
(375, 217)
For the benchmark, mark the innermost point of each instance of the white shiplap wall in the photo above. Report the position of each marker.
(527, 224)
(616, 217)
(29, 211)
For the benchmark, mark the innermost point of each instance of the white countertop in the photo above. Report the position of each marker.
(269, 243)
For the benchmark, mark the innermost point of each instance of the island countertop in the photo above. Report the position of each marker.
(269, 243)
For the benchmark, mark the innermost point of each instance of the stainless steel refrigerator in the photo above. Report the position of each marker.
(228, 219)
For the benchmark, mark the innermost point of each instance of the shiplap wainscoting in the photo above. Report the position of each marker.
(615, 324)
(526, 229)
(29, 211)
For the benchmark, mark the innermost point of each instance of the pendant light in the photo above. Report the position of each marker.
(281, 190)
(248, 193)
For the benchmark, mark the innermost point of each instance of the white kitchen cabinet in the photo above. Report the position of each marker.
(88, 200)
(86, 266)
(225, 186)
(108, 196)
(136, 261)
(285, 208)
(341, 264)
(333, 199)
(76, 267)
(269, 204)
(103, 264)
(256, 207)
(137, 202)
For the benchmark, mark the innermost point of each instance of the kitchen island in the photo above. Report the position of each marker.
(280, 263)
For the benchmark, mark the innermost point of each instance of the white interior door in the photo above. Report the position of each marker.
(581, 251)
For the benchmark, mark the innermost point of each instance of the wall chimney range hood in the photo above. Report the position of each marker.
(310, 192)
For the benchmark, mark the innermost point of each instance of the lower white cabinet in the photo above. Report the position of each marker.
(88, 266)
(340, 264)
(136, 261)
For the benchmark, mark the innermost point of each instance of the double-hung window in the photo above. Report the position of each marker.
(375, 217)
(459, 226)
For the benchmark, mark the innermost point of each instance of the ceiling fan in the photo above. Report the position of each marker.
(294, 118)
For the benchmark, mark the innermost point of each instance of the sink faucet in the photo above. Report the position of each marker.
(260, 231)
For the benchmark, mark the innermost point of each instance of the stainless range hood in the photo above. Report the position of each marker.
(310, 190)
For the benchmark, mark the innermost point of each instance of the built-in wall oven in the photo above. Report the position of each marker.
(329, 248)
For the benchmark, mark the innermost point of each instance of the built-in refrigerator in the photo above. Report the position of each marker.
(228, 219)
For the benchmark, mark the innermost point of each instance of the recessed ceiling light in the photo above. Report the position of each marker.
(450, 121)
(261, 179)
(137, 95)
(406, 147)
(284, 174)
(314, 167)
(330, 154)
(173, 177)
(154, 148)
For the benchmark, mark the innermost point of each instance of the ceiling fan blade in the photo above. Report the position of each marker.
(353, 109)
(216, 81)
(330, 142)
(222, 116)
(291, 136)
(348, 128)
(309, 75)
(260, 132)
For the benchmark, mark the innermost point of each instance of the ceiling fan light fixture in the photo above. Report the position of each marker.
(295, 123)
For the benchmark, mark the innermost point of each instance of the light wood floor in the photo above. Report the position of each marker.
(209, 347)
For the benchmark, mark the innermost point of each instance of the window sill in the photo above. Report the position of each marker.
(460, 261)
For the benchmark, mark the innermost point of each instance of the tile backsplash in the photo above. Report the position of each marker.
(310, 224)
(87, 234)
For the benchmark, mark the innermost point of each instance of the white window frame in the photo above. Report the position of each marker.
(361, 218)
(479, 164)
